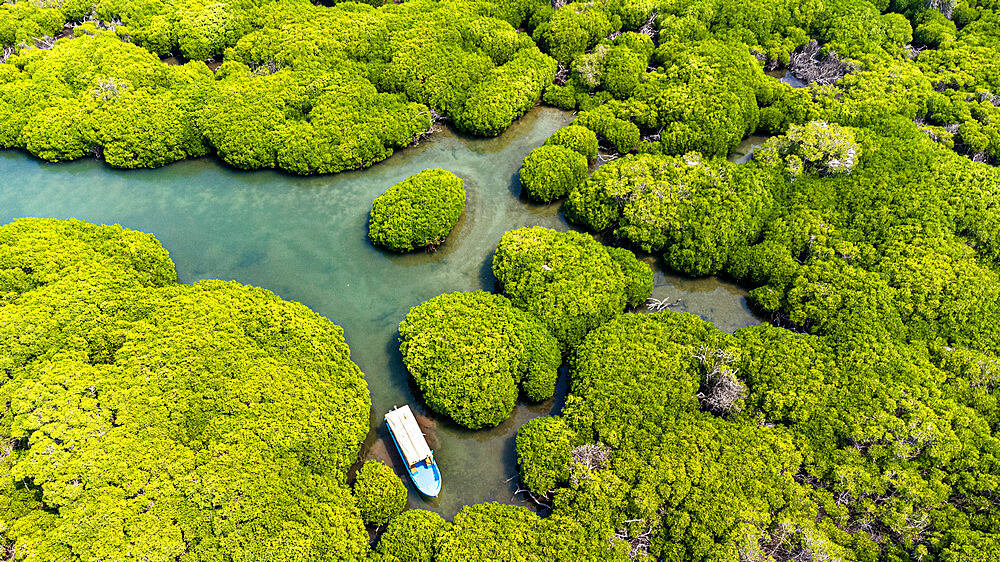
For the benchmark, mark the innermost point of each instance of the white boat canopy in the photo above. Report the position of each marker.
(408, 435)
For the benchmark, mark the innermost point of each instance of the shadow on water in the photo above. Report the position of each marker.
(486, 277)
(516, 189)
(305, 238)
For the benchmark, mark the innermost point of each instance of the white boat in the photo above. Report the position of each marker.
(412, 447)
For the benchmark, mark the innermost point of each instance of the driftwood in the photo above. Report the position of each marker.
(809, 65)
(659, 305)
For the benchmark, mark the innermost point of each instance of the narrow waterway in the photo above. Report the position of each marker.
(305, 239)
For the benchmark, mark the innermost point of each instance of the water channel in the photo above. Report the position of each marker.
(305, 239)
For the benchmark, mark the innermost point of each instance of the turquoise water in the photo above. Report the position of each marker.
(305, 239)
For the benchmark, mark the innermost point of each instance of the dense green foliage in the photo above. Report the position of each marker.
(144, 419)
(417, 212)
(902, 248)
(639, 277)
(567, 280)
(551, 171)
(380, 494)
(812, 461)
(411, 536)
(819, 148)
(22, 22)
(874, 437)
(470, 352)
(544, 450)
(698, 211)
(308, 89)
(866, 428)
(693, 479)
(579, 139)
(870, 431)
(622, 135)
(492, 531)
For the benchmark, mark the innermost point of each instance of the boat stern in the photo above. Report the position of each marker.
(427, 478)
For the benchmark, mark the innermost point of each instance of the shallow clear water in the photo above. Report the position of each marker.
(305, 239)
(786, 77)
(744, 152)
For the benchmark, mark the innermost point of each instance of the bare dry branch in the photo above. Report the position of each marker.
(722, 390)
(810, 65)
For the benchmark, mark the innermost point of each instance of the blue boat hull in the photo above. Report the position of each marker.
(426, 477)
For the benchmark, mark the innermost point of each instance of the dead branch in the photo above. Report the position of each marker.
(659, 305)
(540, 501)
(594, 456)
(44, 42)
(990, 97)
(562, 75)
(946, 7)
(649, 28)
(912, 52)
(810, 65)
(588, 458)
(109, 89)
(607, 154)
(267, 67)
(722, 390)
(638, 544)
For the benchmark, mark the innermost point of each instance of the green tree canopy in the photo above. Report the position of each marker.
(550, 172)
(417, 212)
(567, 280)
(698, 212)
(380, 494)
(412, 535)
(146, 419)
(471, 352)
(574, 137)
